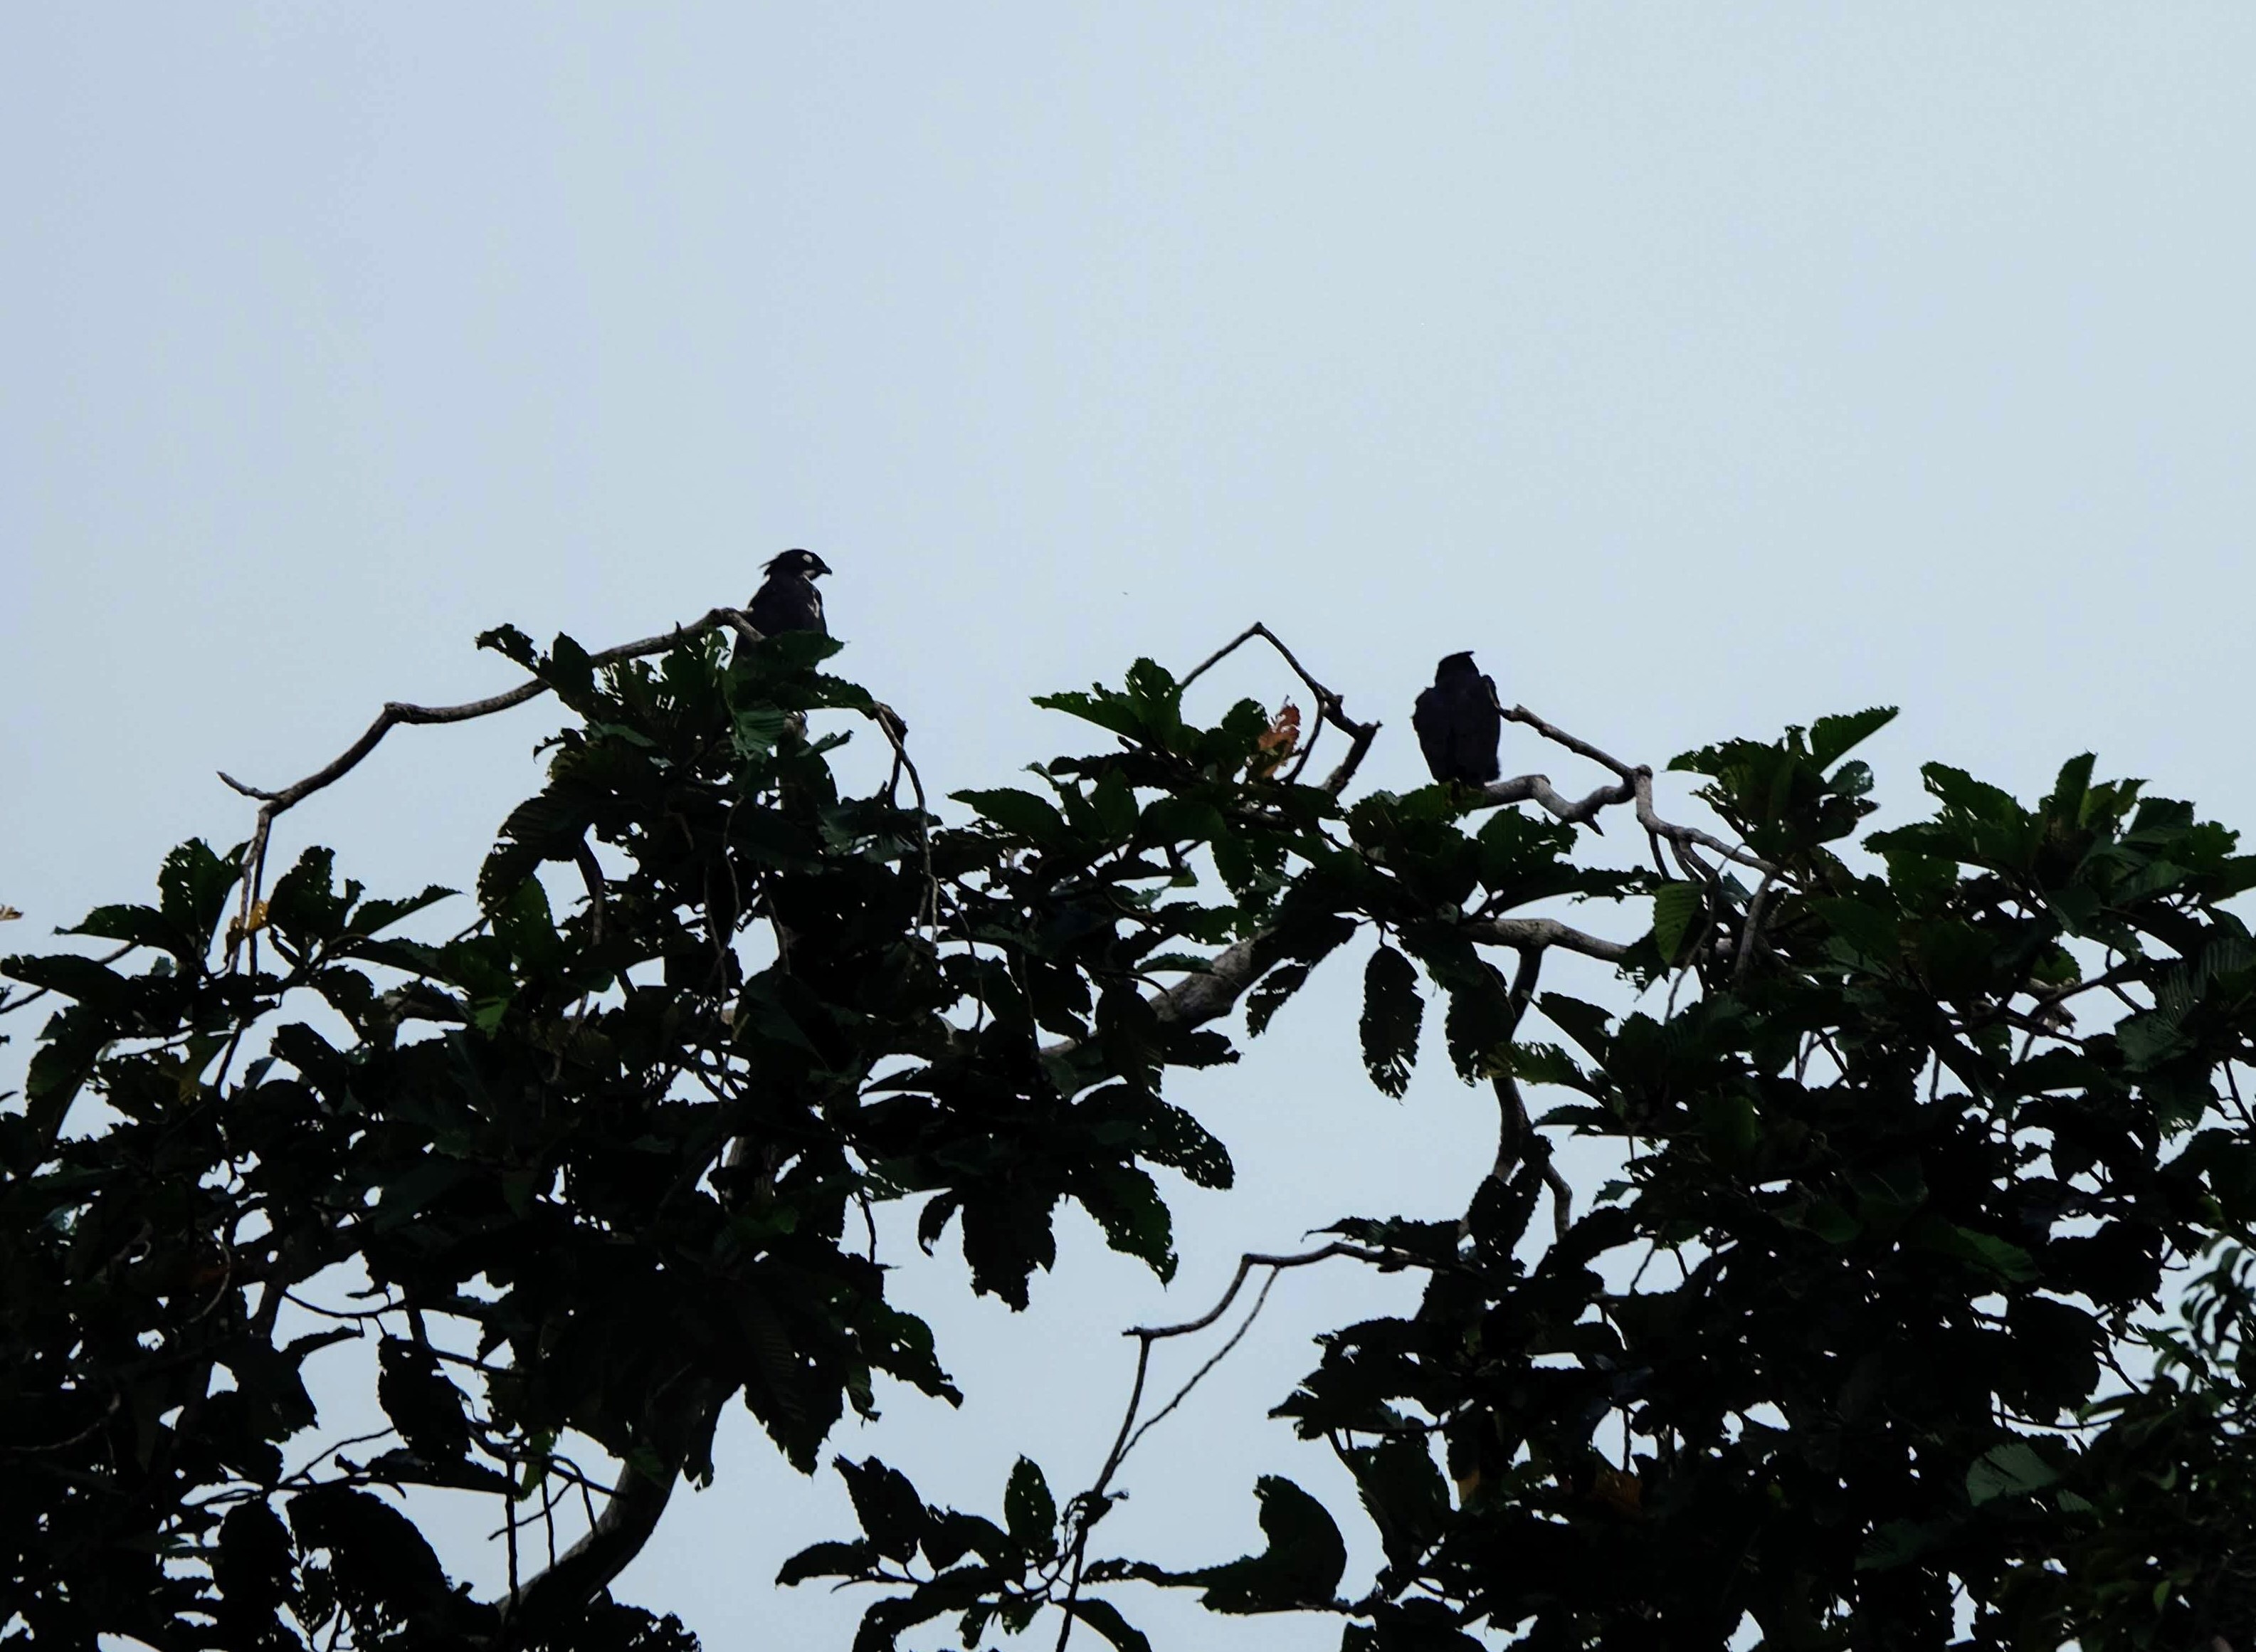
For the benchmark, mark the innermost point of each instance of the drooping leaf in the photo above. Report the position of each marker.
(1392, 1013)
(1029, 1512)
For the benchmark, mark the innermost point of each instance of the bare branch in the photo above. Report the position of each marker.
(1522, 788)
(1562, 1198)
(1329, 707)
(591, 873)
(896, 732)
(1246, 1264)
(1198, 999)
(396, 712)
(1124, 1441)
(1753, 924)
(1637, 778)
(1212, 1360)
(1515, 1130)
(1544, 932)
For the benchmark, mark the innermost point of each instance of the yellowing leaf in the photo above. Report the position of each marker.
(1276, 742)
(238, 929)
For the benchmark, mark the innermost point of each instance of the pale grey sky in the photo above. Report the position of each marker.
(1703, 368)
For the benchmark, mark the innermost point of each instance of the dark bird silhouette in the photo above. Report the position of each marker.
(1459, 722)
(788, 600)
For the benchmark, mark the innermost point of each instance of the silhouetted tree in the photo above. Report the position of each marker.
(1871, 1343)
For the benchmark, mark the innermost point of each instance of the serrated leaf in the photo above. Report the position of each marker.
(1676, 907)
(1392, 1011)
(1832, 737)
(1029, 1512)
(372, 916)
(2012, 1469)
(888, 1507)
(1127, 1206)
(829, 1560)
(1269, 995)
(193, 887)
(1020, 812)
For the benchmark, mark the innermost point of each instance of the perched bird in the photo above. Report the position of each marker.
(1459, 722)
(787, 599)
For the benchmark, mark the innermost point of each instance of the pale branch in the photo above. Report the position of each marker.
(1544, 932)
(1637, 778)
(1197, 999)
(591, 874)
(1748, 930)
(1536, 788)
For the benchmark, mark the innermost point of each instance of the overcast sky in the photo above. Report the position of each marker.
(1705, 369)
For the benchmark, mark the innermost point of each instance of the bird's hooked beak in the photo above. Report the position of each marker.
(803, 564)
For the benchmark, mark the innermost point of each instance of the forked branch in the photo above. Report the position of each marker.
(1635, 786)
(395, 712)
(1086, 1506)
(1329, 708)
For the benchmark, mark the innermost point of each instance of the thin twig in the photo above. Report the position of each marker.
(896, 732)
(1329, 707)
(396, 712)
(2232, 1085)
(108, 1411)
(1124, 1440)
(1753, 923)
(1216, 1359)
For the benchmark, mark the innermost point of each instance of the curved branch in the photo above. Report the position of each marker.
(396, 712)
(1329, 707)
(1522, 788)
(585, 1569)
(1198, 999)
(1637, 783)
(1124, 1441)
(1544, 932)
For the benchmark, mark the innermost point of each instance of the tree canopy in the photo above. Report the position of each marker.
(1917, 1314)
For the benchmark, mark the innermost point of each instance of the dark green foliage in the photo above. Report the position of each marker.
(1876, 1328)
(1392, 1013)
(1907, 1355)
(602, 1161)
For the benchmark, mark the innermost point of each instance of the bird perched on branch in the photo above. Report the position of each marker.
(1459, 721)
(787, 599)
